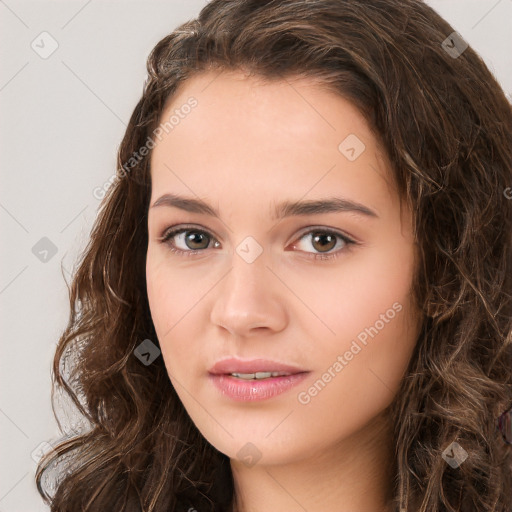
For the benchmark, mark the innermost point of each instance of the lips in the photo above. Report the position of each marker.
(235, 365)
(240, 390)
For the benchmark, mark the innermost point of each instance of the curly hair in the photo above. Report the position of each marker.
(447, 127)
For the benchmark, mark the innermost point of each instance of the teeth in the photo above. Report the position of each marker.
(258, 375)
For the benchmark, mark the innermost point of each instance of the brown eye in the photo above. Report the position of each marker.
(196, 240)
(323, 241)
(187, 239)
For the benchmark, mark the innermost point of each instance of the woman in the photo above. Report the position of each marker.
(296, 295)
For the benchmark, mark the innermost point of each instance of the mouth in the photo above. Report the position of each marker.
(254, 368)
(259, 375)
(257, 379)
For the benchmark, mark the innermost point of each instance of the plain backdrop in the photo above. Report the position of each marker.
(62, 118)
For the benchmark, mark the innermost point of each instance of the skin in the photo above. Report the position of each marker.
(246, 146)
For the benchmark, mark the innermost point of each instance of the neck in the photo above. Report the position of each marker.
(353, 476)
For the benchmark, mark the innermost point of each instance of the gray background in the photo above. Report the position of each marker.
(62, 121)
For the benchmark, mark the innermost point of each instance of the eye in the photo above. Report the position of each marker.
(324, 241)
(188, 241)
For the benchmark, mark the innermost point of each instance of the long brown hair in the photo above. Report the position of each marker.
(447, 128)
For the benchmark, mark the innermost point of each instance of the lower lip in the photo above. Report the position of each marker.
(252, 390)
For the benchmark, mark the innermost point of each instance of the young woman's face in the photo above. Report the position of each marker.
(276, 276)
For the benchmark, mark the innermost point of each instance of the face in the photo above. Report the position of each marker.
(321, 288)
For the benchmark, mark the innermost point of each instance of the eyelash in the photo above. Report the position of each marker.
(170, 233)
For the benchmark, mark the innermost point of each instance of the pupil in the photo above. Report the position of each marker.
(330, 244)
(192, 238)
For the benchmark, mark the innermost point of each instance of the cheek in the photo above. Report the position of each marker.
(173, 298)
(347, 393)
(387, 323)
(390, 351)
(368, 308)
(351, 298)
(159, 296)
(165, 298)
(170, 292)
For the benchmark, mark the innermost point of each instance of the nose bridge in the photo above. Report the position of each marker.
(246, 296)
(248, 269)
(245, 284)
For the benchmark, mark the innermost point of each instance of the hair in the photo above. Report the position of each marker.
(446, 126)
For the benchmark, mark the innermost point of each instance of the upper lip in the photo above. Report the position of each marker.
(234, 365)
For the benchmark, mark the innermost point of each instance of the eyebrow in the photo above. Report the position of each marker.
(282, 210)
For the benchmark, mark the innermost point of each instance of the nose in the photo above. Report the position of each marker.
(249, 298)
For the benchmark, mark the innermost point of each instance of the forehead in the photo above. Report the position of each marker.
(244, 134)
(296, 109)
